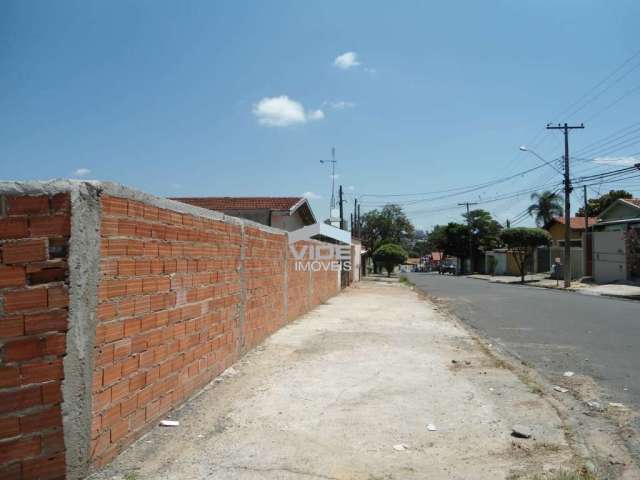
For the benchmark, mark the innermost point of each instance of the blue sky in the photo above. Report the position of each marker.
(244, 98)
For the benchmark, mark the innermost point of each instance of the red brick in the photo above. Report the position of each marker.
(54, 320)
(122, 348)
(58, 297)
(40, 372)
(114, 206)
(11, 472)
(126, 267)
(61, 203)
(20, 399)
(111, 374)
(49, 418)
(106, 311)
(119, 390)
(135, 209)
(103, 357)
(110, 332)
(25, 299)
(46, 468)
(129, 406)
(137, 381)
(47, 275)
(11, 326)
(13, 228)
(130, 365)
(119, 430)
(23, 251)
(108, 226)
(22, 349)
(126, 227)
(55, 344)
(12, 276)
(108, 267)
(27, 205)
(53, 442)
(9, 376)
(131, 327)
(110, 416)
(19, 449)
(115, 247)
(58, 225)
(9, 427)
(51, 393)
(101, 400)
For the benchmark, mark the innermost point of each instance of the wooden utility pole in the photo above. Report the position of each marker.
(470, 234)
(567, 200)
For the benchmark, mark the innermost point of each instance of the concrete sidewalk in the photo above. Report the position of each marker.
(347, 392)
(618, 290)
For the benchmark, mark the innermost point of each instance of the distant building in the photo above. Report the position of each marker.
(556, 230)
(616, 242)
(286, 213)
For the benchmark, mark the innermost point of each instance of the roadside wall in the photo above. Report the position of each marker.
(177, 294)
(34, 241)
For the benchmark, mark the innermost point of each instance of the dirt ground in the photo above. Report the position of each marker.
(348, 392)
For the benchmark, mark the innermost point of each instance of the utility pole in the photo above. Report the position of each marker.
(354, 228)
(341, 209)
(470, 240)
(332, 203)
(586, 211)
(359, 222)
(567, 200)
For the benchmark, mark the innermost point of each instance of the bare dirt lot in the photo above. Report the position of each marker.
(375, 384)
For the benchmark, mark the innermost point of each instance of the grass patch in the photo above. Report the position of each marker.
(130, 476)
(405, 281)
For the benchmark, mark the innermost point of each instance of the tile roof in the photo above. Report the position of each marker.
(633, 201)
(577, 223)
(242, 203)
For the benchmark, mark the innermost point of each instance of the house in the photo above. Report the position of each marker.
(556, 230)
(286, 213)
(616, 242)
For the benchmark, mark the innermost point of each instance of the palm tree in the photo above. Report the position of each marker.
(547, 206)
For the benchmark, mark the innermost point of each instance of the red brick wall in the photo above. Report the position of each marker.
(299, 282)
(174, 310)
(34, 234)
(264, 285)
(168, 310)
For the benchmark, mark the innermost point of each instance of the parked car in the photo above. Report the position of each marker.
(447, 267)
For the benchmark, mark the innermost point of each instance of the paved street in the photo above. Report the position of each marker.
(554, 331)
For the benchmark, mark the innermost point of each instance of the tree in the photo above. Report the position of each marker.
(451, 239)
(547, 206)
(485, 230)
(389, 225)
(522, 242)
(600, 204)
(390, 255)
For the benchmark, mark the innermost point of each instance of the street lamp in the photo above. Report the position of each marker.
(524, 148)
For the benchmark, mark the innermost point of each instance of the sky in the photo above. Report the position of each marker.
(243, 98)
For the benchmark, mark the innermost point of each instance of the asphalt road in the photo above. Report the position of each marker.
(554, 331)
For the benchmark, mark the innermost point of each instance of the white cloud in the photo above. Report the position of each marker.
(339, 104)
(346, 61)
(282, 112)
(81, 172)
(621, 161)
(351, 188)
(311, 196)
(315, 115)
